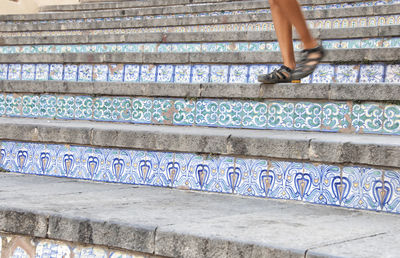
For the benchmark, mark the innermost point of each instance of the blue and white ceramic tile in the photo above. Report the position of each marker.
(13, 105)
(347, 73)
(48, 106)
(14, 72)
(100, 73)
(28, 72)
(372, 73)
(148, 73)
(393, 73)
(165, 73)
(254, 115)
(185, 112)
(85, 73)
(42, 72)
(3, 71)
(56, 72)
(142, 109)
(132, 73)
(362, 188)
(219, 73)
(52, 249)
(230, 113)
(238, 73)
(207, 112)
(70, 72)
(324, 73)
(83, 107)
(115, 72)
(30, 106)
(255, 71)
(200, 73)
(2, 104)
(390, 191)
(182, 73)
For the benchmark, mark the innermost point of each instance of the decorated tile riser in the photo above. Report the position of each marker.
(203, 14)
(196, 47)
(350, 22)
(198, 73)
(17, 246)
(376, 118)
(349, 186)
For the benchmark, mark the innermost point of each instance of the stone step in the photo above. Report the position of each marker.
(387, 31)
(241, 17)
(357, 56)
(141, 4)
(173, 223)
(352, 42)
(319, 147)
(351, 116)
(378, 92)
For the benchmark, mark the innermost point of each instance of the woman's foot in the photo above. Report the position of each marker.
(283, 74)
(311, 58)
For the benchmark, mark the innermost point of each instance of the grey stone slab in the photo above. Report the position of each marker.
(314, 14)
(382, 31)
(378, 245)
(135, 4)
(333, 56)
(339, 148)
(208, 225)
(23, 222)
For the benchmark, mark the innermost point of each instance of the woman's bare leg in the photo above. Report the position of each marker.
(283, 29)
(291, 10)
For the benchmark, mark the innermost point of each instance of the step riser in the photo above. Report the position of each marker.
(325, 73)
(200, 37)
(353, 22)
(369, 150)
(239, 18)
(365, 43)
(345, 117)
(105, 6)
(345, 186)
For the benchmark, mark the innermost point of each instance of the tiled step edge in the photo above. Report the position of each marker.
(135, 4)
(176, 37)
(336, 55)
(315, 14)
(311, 147)
(323, 91)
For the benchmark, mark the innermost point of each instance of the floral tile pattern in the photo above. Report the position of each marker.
(376, 118)
(197, 73)
(348, 186)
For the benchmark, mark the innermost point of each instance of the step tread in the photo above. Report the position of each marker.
(190, 224)
(379, 150)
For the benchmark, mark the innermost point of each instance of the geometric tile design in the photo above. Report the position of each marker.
(349, 186)
(376, 118)
(273, 46)
(196, 73)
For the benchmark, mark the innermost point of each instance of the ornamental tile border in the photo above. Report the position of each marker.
(18, 246)
(348, 186)
(347, 117)
(202, 14)
(334, 23)
(268, 46)
(198, 73)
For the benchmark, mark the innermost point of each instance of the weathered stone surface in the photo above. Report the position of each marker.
(194, 224)
(23, 221)
(337, 55)
(378, 150)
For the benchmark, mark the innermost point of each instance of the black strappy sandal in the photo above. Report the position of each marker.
(283, 74)
(307, 64)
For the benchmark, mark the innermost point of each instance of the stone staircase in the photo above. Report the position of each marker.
(164, 93)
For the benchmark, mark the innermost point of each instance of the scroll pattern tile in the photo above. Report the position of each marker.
(333, 23)
(375, 118)
(18, 246)
(349, 186)
(375, 43)
(197, 73)
(202, 14)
